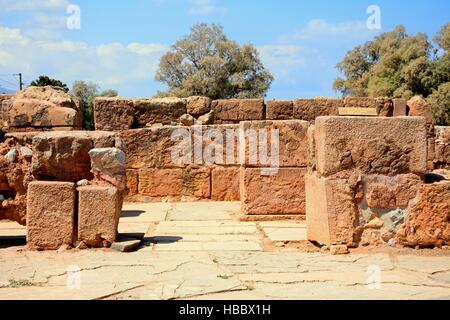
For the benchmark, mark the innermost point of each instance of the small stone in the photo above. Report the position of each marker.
(26, 152)
(324, 249)
(125, 244)
(375, 223)
(338, 249)
(83, 183)
(187, 120)
(279, 244)
(81, 246)
(11, 156)
(206, 118)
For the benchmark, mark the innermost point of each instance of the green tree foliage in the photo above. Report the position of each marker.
(207, 63)
(44, 80)
(399, 65)
(85, 93)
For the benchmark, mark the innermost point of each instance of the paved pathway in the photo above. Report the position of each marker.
(203, 251)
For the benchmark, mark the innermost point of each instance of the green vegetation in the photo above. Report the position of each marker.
(399, 65)
(207, 63)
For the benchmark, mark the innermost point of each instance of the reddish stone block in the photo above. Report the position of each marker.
(50, 214)
(279, 110)
(113, 114)
(161, 182)
(261, 140)
(310, 109)
(380, 145)
(225, 183)
(99, 211)
(283, 192)
(238, 109)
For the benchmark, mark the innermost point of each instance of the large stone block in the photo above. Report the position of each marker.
(428, 221)
(158, 147)
(275, 143)
(192, 182)
(198, 106)
(279, 110)
(387, 146)
(442, 148)
(331, 210)
(161, 110)
(282, 192)
(310, 109)
(418, 107)
(400, 108)
(225, 183)
(64, 156)
(50, 214)
(216, 144)
(386, 192)
(238, 109)
(113, 114)
(43, 107)
(99, 211)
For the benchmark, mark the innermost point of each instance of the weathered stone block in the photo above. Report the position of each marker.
(191, 182)
(331, 210)
(263, 148)
(283, 192)
(418, 107)
(161, 182)
(50, 214)
(99, 211)
(310, 109)
(158, 147)
(279, 110)
(238, 109)
(64, 156)
(442, 148)
(113, 114)
(371, 145)
(360, 102)
(400, 108)
(386, 192)
(161, 110)
(132, 182)
(225, 183)
(198, 106)
(428, 221)
(216, 144)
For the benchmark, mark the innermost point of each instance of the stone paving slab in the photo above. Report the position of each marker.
(199, 257)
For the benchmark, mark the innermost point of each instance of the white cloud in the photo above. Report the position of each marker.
(206, 7)
(282, 59)
(113, 65)
(33, 5)
(318, 29)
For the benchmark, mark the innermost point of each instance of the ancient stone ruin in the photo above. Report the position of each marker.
(361, 171)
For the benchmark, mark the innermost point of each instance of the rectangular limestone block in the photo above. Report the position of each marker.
(238, 109)
(370, 112)
(225, 183)
(331, 210)
(400, 109)
(99, 211)
(310, 109)
(113, 114)
(279, 110)
(281, 192)
(50, 214)
(160, 110)
(371, 145)
(216, 144)
(192, 182)
(272, 143)
(158, 147)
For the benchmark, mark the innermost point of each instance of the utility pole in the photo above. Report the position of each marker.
(20, 80)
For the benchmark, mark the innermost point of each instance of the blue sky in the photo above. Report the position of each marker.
(120, 42)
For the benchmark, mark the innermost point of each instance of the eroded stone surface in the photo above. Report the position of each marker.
(112, 114)
(310, 109)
